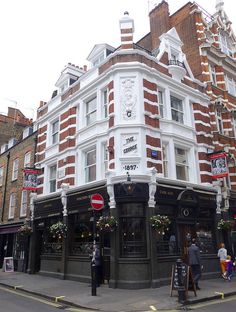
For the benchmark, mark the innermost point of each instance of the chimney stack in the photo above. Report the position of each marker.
(126, 30)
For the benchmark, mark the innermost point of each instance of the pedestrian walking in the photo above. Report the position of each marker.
(195, 262)
(222, 254)
(228, 268)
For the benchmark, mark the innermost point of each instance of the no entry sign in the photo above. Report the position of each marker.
(97, 201)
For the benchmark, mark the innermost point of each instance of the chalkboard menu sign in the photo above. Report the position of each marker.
(185, 280)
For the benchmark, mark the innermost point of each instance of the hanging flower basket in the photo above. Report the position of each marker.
(25, 230)
(58, 230)
(225, 225)
(107, 223)
(160, 223)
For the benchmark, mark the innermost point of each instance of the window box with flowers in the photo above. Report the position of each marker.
(107, 223)
(58, 230)
(25, 230)
(225, 225)
(160, 223)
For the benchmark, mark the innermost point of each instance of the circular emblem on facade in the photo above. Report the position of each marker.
(185, 212)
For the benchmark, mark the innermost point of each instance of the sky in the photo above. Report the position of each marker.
(39, 37)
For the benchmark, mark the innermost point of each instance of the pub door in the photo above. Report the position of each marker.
(185, 234)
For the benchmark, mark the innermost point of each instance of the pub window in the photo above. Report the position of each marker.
(51, 244)
(81, 234)
(205, 238)
(132, 230)
(167, 243)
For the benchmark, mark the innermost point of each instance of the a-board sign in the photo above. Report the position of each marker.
(185, 280)
(8, 264)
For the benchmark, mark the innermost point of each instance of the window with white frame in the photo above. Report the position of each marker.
(27, 160)
(52, 178)
(234, 124)
(91, 111)
(219, 122)
(181, 164)
(226, 46)
(55, 131)
(98, 60)
(104, 159)
(12, 206)
(105, 103)
(177, 112)
(1, 176)
(230, 85)
(161, 103)
(90, 165)
(23, 207)
(165, 159)
(15, 169)
(212, 74)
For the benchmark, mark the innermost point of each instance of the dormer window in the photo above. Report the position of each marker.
(225, 44)
(99, 59)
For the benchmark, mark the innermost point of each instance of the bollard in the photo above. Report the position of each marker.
(181, 288)
(93, 279)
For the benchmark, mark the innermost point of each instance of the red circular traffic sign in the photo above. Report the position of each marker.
(97, 201)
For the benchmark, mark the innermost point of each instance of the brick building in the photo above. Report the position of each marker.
(12, 125)
(146, 109)
(15, 155)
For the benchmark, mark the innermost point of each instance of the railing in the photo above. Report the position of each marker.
(176, 63)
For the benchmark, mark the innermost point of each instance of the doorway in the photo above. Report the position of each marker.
(186, 233)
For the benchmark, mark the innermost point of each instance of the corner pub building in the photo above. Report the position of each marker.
(138, 109)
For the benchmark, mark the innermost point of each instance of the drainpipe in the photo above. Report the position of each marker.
(5, 187)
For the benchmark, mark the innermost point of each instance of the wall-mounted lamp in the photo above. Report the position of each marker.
(128, 185)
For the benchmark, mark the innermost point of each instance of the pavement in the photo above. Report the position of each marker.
(114, 300)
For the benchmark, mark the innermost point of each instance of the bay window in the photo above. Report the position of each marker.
(90, 165)
(181, 164)
(52, 179)
(177, 112)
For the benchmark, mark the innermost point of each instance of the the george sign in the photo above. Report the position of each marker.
(8, 264)
(219, 167)
(30, 179)
(97, 201)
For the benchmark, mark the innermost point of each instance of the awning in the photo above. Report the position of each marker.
(8, 230)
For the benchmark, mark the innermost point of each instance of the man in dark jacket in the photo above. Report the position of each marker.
(195, 262)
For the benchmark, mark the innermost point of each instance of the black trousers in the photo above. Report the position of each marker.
(197, 273)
